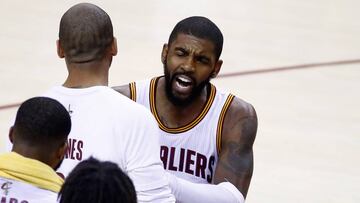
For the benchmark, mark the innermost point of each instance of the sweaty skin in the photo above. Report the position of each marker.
(195, 57)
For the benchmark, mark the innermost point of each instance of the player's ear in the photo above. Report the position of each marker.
(59, 156)
(217, 68)
(113, 49)
(11, 134)
(164, 53)
(60, 50)
(62, 150)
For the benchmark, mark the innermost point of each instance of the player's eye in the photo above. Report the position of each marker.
(180, 52)
(203, 60)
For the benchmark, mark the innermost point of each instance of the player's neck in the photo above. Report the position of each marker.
(87, 75)
(33, 153)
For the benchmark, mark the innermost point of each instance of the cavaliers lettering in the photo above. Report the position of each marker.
(190, 162)
(74, 149)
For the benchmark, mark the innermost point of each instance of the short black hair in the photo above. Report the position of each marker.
(42, 122)
(92, 181)
(85, 33)
(200, 27)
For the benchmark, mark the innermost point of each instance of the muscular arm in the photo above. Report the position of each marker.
(236, 155)
(123, 89)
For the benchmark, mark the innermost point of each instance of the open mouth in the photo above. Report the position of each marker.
(183, 80)
(182, 84)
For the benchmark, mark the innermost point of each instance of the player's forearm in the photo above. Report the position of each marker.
(241, 180)
(186, 191)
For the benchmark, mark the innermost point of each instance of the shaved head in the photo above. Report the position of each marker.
(85, 33)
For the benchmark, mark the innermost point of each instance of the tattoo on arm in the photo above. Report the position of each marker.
(239, 150)
(236, 160)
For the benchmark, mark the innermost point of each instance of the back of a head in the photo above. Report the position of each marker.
(43, 123)
(92, 181)
(85, 33)
(199, 27)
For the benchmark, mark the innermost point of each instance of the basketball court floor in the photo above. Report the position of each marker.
(297, 62)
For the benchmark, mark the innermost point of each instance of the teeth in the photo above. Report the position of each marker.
(184, 79)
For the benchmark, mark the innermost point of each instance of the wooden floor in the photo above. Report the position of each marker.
(302, 62)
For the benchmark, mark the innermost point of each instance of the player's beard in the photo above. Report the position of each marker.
(195, 92)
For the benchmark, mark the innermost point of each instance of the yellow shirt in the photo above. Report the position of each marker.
(17, 167)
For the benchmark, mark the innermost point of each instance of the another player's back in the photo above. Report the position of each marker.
(103, 122)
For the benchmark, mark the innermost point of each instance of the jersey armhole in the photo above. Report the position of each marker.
(132, 87)
(221, 122)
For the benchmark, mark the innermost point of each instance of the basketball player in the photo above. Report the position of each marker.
(206, 134)
(106, 125)
(27, 174)
(100, 181)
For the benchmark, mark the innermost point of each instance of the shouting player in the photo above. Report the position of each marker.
(207, 135)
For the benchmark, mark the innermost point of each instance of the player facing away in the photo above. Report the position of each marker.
(39, 134)
(207, 135)
(106, 125)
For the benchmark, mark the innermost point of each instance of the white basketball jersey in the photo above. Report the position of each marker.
(191, 151)
(110, 127)
(13, 191)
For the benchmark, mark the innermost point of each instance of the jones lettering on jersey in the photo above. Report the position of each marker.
(12, 200)
(74, 149)
(189, 161)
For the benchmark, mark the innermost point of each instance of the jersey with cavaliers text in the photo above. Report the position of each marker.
(191, 151)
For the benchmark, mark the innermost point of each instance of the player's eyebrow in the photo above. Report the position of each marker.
(181, 49)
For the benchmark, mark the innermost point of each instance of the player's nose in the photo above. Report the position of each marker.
(189, 65)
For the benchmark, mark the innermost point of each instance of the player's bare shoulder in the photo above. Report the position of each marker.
(240, 121)
(123, 89)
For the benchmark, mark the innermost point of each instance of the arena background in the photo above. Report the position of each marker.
(296, 61)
